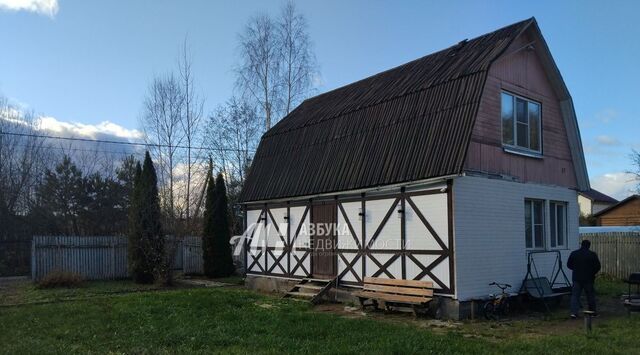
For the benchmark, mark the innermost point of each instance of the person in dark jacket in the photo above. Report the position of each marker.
(585, 265)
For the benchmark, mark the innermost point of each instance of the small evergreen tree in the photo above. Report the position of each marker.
(208, 229)
(137, 267)
(217, 230)
(145, 239)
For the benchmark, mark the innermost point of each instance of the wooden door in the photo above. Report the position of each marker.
(323, 218)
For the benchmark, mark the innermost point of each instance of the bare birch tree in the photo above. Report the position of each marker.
(233, 132)
(277, 63)
(162, 126)
(259, 70)
(298, 61)
(192, 115)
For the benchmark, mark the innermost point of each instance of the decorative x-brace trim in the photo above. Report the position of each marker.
(275, 224)
(427, 224)
(300, 262)
(383, 222)
(426, 270)
(384, 267)
(351, 230)
(255, 261)
(277, 261)
(295, 235)
(349, 266)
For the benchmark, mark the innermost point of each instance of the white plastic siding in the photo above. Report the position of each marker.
(489, 232)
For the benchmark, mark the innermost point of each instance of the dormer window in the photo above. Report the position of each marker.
(520, 124)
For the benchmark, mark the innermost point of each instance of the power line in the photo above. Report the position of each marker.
(139, 144)
(66, 149)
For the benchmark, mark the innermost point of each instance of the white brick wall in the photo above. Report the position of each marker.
(489, 232)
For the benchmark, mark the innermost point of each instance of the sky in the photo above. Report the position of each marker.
(85, 64)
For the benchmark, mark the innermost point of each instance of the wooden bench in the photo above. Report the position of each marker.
(393, 292)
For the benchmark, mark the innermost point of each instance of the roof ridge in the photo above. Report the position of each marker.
(459, 45)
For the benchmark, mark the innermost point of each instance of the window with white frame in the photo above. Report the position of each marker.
(558, 224)
(521, 123)
(534, 223)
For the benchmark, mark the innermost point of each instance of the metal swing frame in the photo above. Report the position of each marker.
(555, 273)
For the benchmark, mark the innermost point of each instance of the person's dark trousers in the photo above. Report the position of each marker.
(576, 291)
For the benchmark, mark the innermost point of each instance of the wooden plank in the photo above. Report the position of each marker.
(399, 290)
(617, 251)
(97, 257)
(398, 282)
(393, 298)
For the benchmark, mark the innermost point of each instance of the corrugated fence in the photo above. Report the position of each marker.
(619, 252)
(103, 258)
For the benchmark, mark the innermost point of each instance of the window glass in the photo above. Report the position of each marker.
(552, 221)
(521, 126)
(561, 224)
(534, 226)
(558, 223)
(527, 224)
(507, 119)
(534, 126)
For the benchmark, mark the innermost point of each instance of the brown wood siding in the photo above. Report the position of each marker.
(519, 71)
(627, 214)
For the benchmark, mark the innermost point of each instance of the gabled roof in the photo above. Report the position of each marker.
(619, 204)
(410, 123)
(597, 196)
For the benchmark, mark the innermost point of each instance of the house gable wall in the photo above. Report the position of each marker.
(520, 71)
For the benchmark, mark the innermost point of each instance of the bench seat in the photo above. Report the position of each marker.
(416, 294)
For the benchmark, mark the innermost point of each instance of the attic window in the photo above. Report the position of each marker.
(521, 126)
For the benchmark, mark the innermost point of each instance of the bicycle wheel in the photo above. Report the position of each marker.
(505, 308)
(489, 311)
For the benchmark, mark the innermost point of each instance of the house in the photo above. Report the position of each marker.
(449, 168)
(594, 201)
(624, 213)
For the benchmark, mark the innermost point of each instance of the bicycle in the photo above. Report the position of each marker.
(498, 305)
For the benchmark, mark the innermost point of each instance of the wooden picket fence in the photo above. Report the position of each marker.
(619, 252)
(103, 257)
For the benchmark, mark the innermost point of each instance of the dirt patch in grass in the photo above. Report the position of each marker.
(528, 320)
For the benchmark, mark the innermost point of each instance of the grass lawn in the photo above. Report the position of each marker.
(234, 320)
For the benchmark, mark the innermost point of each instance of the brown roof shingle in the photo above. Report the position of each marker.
(409, 123)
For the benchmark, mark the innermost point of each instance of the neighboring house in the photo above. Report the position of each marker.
(624, 213)
(594, 201)
(449, 168)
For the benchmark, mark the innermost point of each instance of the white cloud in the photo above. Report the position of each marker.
(42, 7)
(607, 115)
(618, 185)
(102, 130)
(607, 140)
